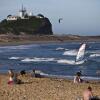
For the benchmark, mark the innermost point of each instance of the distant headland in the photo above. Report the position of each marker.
(26, 23)
(29, 28)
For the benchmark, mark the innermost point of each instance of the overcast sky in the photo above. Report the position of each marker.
(80, 17)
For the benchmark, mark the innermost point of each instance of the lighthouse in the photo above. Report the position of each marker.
(22, 12)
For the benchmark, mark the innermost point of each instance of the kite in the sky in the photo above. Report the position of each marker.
(60, 20)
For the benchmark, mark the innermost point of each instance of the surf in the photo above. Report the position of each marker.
(35, 59)
(79, 58)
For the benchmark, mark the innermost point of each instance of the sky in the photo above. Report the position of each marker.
(79, 17)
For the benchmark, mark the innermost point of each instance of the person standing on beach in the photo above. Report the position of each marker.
(13, 78)
(11, 75)
(87, 94)
(33, 73)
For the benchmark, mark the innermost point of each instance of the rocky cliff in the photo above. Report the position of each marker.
(31, 26)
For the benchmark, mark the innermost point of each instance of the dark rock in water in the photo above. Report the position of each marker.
(31, 26)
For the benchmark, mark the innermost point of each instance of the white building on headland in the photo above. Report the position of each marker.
(10, 17)
(22, 15)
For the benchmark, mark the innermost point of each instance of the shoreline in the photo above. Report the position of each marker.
(67, 77)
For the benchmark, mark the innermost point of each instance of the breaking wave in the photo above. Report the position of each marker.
(35, 59)
(60, 48)
(70, 52)
(94, 55)
(15, 58)
(70, 62)
(18, 47)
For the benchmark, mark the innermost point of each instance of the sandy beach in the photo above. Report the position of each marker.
(44, 89)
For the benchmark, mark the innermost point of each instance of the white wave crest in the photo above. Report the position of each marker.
(95, 55)
(35, 59)
(60, 48)
(19, 46)
(14, 58)
(70, 53)
(70, 62)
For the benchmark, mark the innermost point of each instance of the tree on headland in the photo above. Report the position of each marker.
(41, 15)
(9, 15)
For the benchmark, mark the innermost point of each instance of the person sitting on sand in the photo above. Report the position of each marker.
(87, 94)
(13, 78)
(22, 72)
(11, 75)
(16, 80)
(77, 78)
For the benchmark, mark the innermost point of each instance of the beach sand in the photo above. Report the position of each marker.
(44, 89)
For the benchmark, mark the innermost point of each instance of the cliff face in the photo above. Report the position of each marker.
(32, 26)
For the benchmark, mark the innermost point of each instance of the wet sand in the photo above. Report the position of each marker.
(44, 89)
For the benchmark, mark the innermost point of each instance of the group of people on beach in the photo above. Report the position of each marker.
(13, 77)
(87, 94)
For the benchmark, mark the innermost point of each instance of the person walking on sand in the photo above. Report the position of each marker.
(87, 94)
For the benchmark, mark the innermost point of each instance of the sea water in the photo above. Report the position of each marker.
(45, 57)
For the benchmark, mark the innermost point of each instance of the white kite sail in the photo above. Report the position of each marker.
(81, 52)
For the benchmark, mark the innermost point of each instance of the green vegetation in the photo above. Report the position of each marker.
(32, 26)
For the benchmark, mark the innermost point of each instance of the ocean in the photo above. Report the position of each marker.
(45, 57)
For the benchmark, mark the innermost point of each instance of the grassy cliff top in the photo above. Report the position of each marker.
(26, 26)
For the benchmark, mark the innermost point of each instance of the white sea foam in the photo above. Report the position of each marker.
(94, 55)
(70, 52)
(87, 78)
(94, 51)
(14, 58)
(60, 48)
(70, 62)
(90, 78)
(19, 47)
(35, 59)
